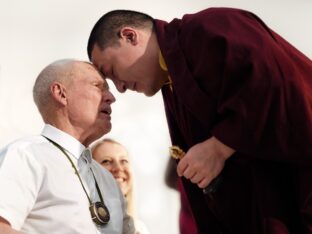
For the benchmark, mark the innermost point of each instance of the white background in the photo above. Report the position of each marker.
(33, 33)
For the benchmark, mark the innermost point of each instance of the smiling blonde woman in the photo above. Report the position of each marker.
(115, 158)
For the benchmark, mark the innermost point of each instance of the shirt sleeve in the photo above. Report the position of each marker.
(19, 183)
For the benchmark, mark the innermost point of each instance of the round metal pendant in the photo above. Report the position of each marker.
(99, 213)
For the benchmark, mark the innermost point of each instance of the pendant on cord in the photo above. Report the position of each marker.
(99, 213)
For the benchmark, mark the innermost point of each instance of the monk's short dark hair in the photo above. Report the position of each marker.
(106, 31)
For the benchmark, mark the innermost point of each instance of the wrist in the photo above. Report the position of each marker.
(222, 149)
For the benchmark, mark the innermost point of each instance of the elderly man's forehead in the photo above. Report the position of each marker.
(100, 73)
(93, 67)
(94, 72)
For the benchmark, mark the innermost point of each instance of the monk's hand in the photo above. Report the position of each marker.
(204, 161)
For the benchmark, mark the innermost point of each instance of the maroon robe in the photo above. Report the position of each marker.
(237, 80)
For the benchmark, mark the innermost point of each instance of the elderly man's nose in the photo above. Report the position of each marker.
(111, 98)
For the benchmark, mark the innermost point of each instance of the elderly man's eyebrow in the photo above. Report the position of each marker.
(105, 85)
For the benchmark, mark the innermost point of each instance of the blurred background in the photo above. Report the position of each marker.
(34, 33)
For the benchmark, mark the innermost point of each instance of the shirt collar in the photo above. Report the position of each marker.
(68, 142)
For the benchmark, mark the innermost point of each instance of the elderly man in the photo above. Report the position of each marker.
(49, 183)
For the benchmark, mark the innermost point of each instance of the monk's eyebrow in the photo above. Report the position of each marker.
(101, 70)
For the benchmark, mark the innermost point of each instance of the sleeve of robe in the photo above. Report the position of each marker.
(262, 84)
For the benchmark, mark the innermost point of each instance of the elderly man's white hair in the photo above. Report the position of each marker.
(60, 70)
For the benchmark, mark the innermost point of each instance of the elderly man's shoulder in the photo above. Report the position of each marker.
(104, 175)
(23, 146)
(23, 143)
(102, 171)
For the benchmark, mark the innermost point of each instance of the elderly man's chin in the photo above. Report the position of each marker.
(106, 128)
(103, 128)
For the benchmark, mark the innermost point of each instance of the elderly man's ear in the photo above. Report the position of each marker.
(58, 93)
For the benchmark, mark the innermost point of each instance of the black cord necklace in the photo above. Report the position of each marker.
(99, 212)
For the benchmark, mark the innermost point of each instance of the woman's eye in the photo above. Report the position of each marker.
(105, 162)
(124, 161)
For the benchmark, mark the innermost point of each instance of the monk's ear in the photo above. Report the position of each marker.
(129, 35)
(58, 93)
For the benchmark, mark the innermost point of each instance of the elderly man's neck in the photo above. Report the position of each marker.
(84, 136)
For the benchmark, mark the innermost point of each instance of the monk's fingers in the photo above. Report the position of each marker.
(189, 173)
(197, 178)
(204, 182)
(182, 165)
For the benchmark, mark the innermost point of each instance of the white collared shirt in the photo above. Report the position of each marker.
(40, 192)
